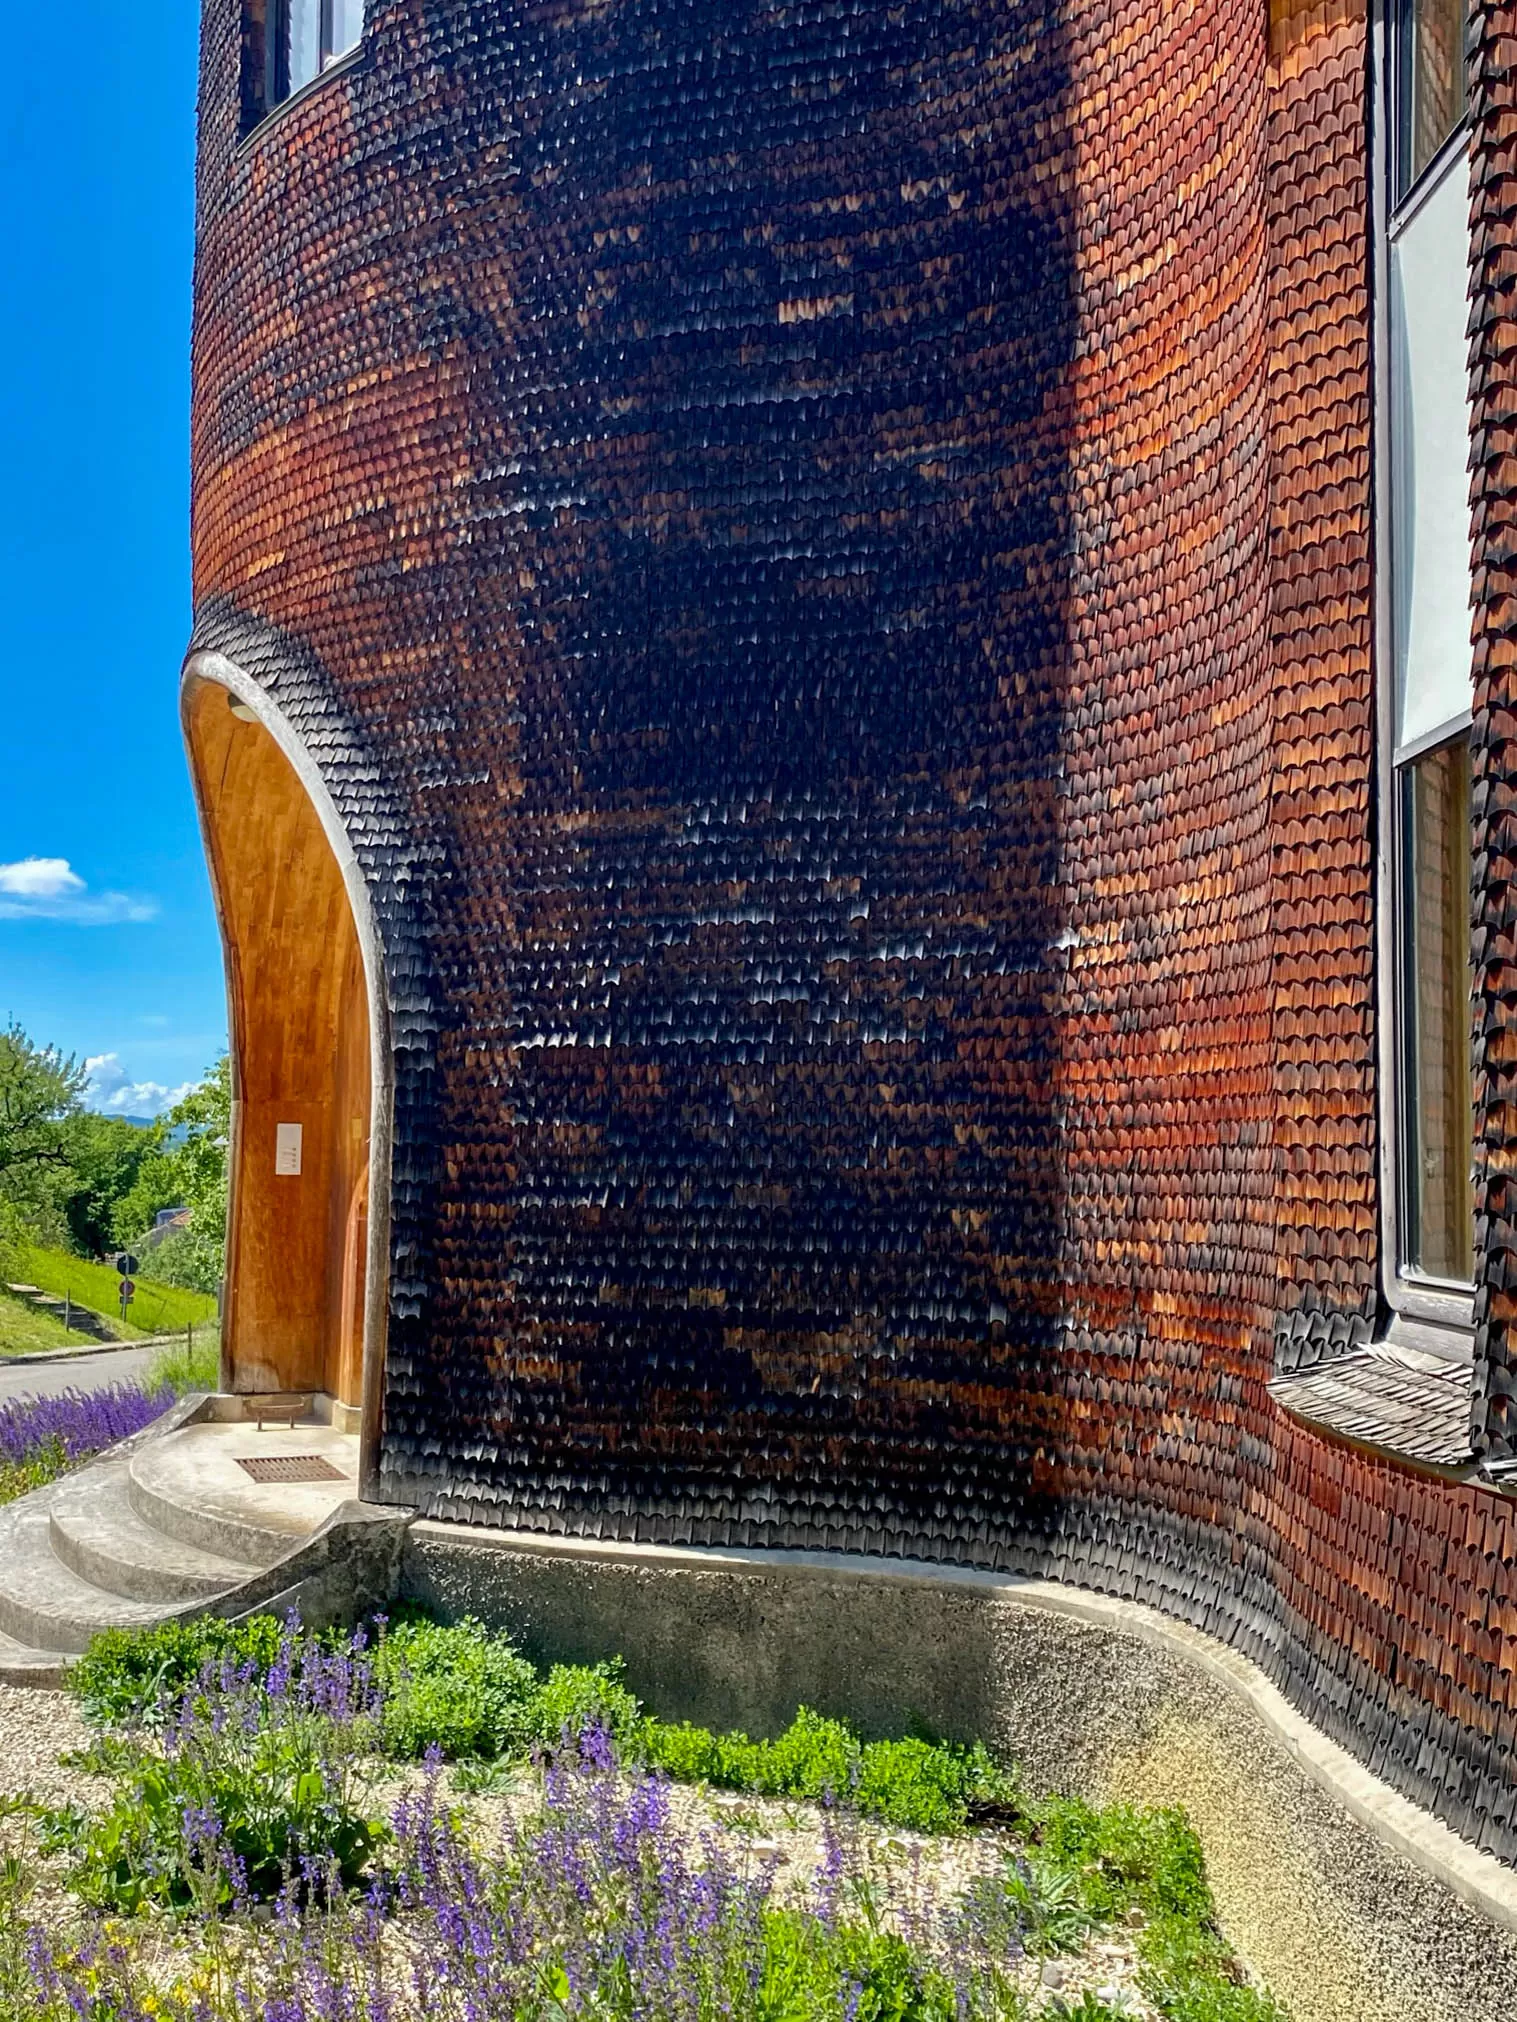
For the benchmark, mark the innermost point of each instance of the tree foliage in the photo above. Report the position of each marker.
(98, 1183)
(40, 1091)
(108, 1159)
(189, 1169)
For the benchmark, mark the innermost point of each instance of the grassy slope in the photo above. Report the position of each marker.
(157, 1309)
(23, 1331)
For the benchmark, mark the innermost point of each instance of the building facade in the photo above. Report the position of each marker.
(833, 702)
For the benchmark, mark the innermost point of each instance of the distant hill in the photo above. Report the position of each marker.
(176, 1136)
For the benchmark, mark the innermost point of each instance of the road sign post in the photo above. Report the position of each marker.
(126, 1267)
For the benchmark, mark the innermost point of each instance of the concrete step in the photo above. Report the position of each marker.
(191, 1488)
(44, 1603)
(22, 1665)
(81, 1319)
(167, 1525)
(96, 1533)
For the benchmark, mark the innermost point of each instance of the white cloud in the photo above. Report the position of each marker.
(112, 1091)
(49, 888)
(40, 878)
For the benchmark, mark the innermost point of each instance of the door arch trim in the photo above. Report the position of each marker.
(207, 669)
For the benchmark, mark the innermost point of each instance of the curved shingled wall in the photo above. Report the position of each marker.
(843, 532)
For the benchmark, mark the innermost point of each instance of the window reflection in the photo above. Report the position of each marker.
(303, 33)
(1430, 82)
(346, 27)
(1438, 1122)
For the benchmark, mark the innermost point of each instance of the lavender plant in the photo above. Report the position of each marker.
(469, 1693)
(252, 1799)
(594, 1904)
(81, 1423)
(256, 1778)
(42, 1437)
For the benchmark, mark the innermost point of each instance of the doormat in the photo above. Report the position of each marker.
(292, 1467)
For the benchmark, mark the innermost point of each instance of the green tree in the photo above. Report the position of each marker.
(191, 1171)
(111, 1162)
(155, 1185)
(40, 1090)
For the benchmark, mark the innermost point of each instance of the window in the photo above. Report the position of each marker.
(1425, 606)
(286, 44)
(1438, 1208)
(1428, 88)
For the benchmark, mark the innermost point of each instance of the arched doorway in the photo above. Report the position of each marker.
(306, 1252)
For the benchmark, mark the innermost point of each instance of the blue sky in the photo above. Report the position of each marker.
(108, 944)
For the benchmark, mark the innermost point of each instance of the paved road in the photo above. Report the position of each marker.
(78, 1372)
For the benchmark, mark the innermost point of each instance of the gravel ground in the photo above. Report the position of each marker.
(35, 1728)
(912, 1878)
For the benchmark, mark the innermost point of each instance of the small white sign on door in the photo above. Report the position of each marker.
(288, 1144)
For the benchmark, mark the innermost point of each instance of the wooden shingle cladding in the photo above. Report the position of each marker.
(832, 547)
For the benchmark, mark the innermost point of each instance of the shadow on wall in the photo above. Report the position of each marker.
(778, 502)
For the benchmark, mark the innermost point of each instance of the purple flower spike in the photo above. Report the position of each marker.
(82, 1423)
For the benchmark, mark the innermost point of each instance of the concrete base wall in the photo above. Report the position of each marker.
(1351, 1903)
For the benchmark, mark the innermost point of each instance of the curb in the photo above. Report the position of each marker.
(84, 1354)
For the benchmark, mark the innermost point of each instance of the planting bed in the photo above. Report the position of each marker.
(247, 1822)
(43, 1437)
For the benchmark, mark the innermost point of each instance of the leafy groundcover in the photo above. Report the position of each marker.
(274, 1831)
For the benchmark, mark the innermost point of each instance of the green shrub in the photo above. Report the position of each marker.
(280, 1785)
(1125, 1856)
(928, 1786)
(470, 1695)
(454, 1688)
(177, 1823)
(921, 1786)
(813, 1972)
(135, 1674)
(1189, 1973)
(814, 1757)
(689, 1754)
(256, 1789)
(575, 1697)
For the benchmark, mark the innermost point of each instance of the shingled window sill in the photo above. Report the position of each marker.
(1397, 1401)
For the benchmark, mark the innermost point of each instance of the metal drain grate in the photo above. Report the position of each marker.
(292, 1467)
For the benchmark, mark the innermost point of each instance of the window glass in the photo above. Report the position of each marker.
(303, 18)
(1430, 82)
(1438, 1121)
(347, 27)
(1430, 444)
(288, 43)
